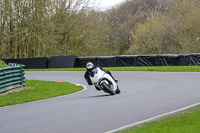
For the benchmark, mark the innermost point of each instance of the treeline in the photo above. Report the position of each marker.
(127, 15)
(37, 28)
(176, 31)
(43, 28)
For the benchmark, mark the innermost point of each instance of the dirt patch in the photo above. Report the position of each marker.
(12, 90)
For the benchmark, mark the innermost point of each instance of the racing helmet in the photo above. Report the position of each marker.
(89, 66)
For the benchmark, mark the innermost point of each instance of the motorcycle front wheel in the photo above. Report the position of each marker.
(118, 90)
(108, 89)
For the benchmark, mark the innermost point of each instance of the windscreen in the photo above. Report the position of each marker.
(94, 72)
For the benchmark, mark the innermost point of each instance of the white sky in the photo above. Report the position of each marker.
(105, 4)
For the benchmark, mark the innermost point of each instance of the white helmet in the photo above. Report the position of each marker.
(89, 65)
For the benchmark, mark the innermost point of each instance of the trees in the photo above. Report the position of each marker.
(126, 16)
(98, 40)
(37, 28)
(175, 31)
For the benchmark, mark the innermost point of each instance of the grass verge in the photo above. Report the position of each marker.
(2, 64)
(184, 122)
(38, 90)
(149, 68)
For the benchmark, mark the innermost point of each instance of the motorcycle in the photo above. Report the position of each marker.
(104, 81)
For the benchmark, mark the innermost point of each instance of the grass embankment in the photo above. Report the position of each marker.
(184, 122)
(38, 90)
(2, 64)
(156, 68)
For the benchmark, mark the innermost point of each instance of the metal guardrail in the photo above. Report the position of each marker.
(12, 77)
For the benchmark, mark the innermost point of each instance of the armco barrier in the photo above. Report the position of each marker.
(82, 61)
(110, 61)
(34, 63)
(184, 60)
(62, 61)
(11, 77)
(147, 60)
(168, 60)
(30, 63)
(106, 61)
(7, 61)
(126, 60)
(194, 59)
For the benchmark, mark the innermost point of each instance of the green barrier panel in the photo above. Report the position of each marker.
(12, 77)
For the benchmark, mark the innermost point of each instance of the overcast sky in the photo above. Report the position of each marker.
(106, 4)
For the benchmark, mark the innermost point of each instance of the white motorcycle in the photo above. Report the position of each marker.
(104, 81)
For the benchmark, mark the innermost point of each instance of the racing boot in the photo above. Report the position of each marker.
(97, 88)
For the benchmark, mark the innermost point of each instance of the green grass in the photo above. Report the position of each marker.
(2, 64)
(37, 90)
(155, 68)
(185, 122)
(159, 68)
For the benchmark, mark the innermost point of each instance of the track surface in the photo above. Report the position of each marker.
(144, 95)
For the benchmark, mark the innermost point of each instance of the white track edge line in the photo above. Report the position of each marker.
(81, 85)
(152, 118)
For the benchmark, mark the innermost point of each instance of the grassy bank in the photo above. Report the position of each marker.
(37, 90)
(156, 68)
(2, 64)
(184, 122)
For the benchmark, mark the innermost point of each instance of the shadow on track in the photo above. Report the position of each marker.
(99, 96)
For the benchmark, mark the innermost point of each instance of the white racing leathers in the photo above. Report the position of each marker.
(104, 81)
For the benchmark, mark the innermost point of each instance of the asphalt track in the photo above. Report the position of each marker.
(144, 95)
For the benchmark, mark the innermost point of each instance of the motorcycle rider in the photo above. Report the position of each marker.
(90, 66)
